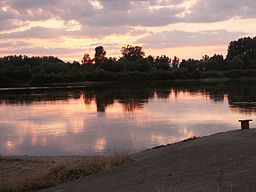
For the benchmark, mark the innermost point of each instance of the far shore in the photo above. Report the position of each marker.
(78, 84)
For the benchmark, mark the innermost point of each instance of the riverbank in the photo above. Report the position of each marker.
(26, 173)
(220, 162)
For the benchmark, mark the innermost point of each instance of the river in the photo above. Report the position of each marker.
(85, 120)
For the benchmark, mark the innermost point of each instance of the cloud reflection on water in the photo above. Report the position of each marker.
(104, 119)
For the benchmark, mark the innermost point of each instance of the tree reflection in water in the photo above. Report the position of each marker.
(60, 120)
(241, 95)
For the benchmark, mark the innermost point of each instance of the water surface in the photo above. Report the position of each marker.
(107, 118)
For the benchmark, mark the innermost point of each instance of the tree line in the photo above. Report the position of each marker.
(131, 66)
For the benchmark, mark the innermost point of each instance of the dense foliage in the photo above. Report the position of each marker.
(132, 66)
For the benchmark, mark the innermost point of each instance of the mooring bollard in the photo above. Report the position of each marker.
(245, 124)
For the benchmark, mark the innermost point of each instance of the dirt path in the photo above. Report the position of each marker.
(217, 163)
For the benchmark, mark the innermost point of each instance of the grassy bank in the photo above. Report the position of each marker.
(61, 170)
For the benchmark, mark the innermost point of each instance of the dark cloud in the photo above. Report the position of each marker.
(125, 13)
(7, 20)
(128, 12)
(7, 25)
(176, 38)
(113, 13)
(218, 10)
(26, 4)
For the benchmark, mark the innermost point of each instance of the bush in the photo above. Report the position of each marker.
(232, 74)
(180, 73)
(248, 73)
(141, 65)
(122, 76)
(140, 76)
(195, 75)
(102, 75)
(211, 74)
(162, 75)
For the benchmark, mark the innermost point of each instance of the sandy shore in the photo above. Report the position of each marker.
(221, 162)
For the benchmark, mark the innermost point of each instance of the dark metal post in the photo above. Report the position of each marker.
(245, 124)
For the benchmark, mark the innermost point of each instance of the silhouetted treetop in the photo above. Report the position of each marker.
(175, 62)
(132, 66)
(163, 62)
(86, 59)
(243, 46)
(99, 54)
(132, 53)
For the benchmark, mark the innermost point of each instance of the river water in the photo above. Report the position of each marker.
(85, 120)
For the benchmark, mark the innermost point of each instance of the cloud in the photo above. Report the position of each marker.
(129, 12)
(137, 16)
(97, 19)
(106, 46)
(116, 13)
(218, 10)
(41, 51)
(100, 31)
(8, 20)
(26, 4)
(113, 13)
(35, 32)
(13, 44)
(175, 38)
(51, 33)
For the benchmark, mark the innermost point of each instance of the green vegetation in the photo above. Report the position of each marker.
(132, 66)
(59, 171)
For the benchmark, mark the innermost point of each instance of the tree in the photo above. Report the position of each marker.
(108, 64)
(86, 59)
(163, 62)
(131, 53)
(220, 61)
(243, 46)
(99, 55)
(141, 65)
(150, 59)
(205, 58)
(175, 62)
(237, 63)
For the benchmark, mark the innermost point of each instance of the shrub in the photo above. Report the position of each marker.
(122, 76)
(102, 75)
(232, 74)
(211, 74)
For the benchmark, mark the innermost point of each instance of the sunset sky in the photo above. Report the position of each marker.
(69, 28)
